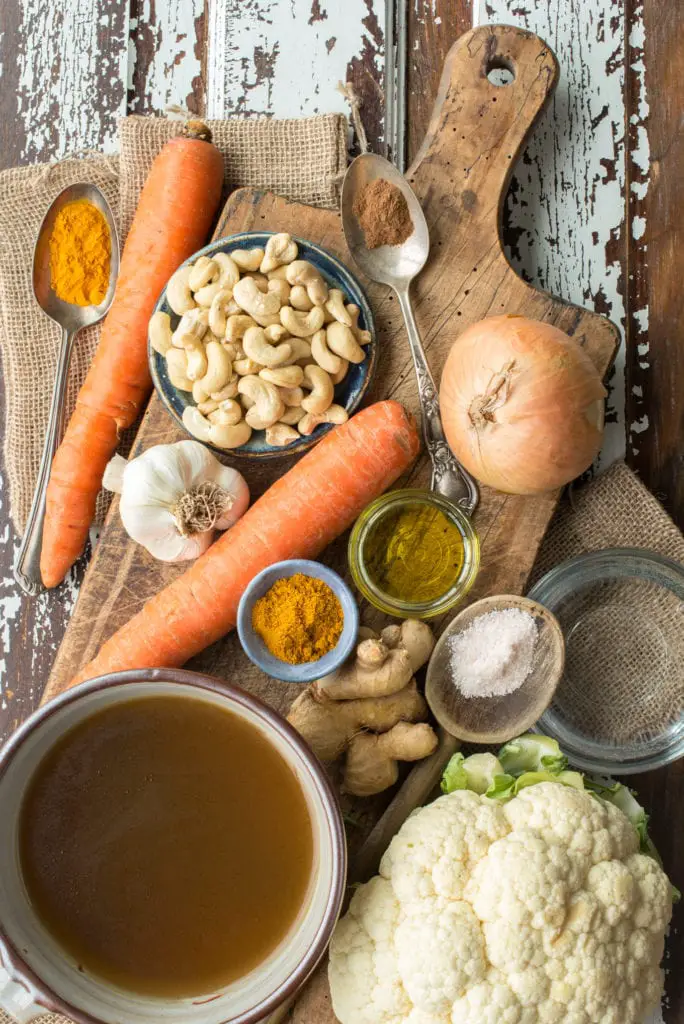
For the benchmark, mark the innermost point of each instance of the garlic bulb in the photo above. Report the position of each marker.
(174, 496)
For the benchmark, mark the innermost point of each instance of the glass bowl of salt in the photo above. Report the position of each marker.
(495, 669)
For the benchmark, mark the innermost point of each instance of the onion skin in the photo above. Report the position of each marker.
(522, 405)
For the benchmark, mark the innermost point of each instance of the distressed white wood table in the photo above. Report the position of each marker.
(595, 212)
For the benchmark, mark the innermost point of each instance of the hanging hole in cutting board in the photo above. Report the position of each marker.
(499, 71)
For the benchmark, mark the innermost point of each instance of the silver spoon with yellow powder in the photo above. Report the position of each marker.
(75, 266)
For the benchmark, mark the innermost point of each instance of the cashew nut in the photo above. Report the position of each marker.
(338, 377)
(292, 415)
(206, 295)
(197, 357)
(202, 272)
(229, 391)
(321, 387)
(225, 436)
(336, 307)
(236, 326)
(280, 434)
(199, 394)
(341, 340)
(303, 272)
(227, 413)
(206, 408)
(333, 414)
(246, 402)
(268, 405)
(177, 369)
(280, 249)
(321, 353)
(260, 280)
(247, 259)
(283, 376)
(218, 312)
(280, 288)
(301, 350)
(256, 303)
(221, 435)
(178, 294)
(160, 332)
(363, 337)
(299, 298)
(292, 396)
(195, 321)
(233, 349)
(302, 325)
(232, 309)
(246, 367)
(258, 349)
(230, 272)
(276, 332)
(219, 368)
(279, 274)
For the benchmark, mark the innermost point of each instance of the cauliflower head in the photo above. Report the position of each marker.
(536, 911)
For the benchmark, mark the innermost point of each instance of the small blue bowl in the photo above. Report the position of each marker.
(256, 648)
(349, 393)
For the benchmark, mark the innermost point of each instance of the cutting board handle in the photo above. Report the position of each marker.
(477, 128)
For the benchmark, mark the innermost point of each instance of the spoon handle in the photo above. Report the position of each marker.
(27, 562)
(448, 475)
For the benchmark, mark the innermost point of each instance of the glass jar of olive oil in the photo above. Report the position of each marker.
(413, 553)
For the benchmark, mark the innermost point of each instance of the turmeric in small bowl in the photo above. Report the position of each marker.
(80, 254)
(299, 619)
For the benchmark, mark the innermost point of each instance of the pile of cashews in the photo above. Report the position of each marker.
(261, 343)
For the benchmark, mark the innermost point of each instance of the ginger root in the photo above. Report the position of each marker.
(373, 693)
(382, 666)
(328, 727)
(372, 761)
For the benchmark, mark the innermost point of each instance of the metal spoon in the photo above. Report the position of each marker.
(71, 319)
(396, 266)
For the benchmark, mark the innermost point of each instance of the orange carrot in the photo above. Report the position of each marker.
(174, 215)
(297, 517)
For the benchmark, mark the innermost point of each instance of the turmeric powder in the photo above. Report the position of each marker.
(299, 619)
(80, 254)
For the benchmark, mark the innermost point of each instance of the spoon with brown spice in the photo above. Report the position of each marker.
(387, 235)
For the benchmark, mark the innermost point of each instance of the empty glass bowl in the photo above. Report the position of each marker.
(619, 708)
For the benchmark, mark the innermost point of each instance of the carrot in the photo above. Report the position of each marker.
(297, 517)
(174, 215)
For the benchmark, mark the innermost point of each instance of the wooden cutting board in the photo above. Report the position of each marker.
(461, 174)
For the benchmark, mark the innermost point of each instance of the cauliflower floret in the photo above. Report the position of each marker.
(434, 853)
(523, 880)
(587, 827)
(539, 911)
(364, 979)
(441, 953)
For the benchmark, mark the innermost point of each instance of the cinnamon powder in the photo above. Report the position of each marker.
(383, 214)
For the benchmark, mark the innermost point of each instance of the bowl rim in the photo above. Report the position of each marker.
(11, 957)
(406, 609)
(311, 670)
(585, 569)
(304, 443)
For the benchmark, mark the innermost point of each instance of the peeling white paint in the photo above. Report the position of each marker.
(639, 426)
(272, 58)
(62, 50)
(638, 227)
(170, 28)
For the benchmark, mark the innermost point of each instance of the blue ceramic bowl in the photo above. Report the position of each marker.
(349, 393)
(256, 648)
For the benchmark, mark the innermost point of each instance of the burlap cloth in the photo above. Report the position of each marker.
(615, 510)
(300, 159)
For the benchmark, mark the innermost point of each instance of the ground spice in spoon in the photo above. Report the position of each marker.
(383, 214)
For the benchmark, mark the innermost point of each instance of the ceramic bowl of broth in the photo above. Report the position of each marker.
(171, 851)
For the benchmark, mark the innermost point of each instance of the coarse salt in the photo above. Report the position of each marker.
(494, 655)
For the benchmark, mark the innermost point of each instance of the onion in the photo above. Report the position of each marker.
(522, 405)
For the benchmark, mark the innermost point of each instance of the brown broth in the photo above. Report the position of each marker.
(166, 845)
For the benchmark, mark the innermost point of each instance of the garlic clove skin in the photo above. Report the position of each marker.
(169, 491)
